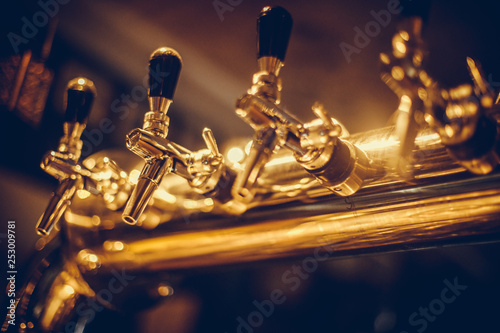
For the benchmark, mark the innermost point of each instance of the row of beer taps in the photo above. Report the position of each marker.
(465, 118)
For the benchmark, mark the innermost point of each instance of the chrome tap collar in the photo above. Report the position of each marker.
(270, 65)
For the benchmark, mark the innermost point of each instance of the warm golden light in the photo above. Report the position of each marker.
(96, 220)
(417, 59)
(397, 73)
(449, 130)
(401, 47)
(454, 111)
(164, 290)
(113, 246)
(40, 244)
(248, 146)
(404, 34)
(68, 290)
(88, 260)
(134, 176)
(422, 93)
(83, 194)
(235, 155)
(384, 58)
(165, 196)
(106, 174)
(462, 91)
(379, 144)
(405, 103)
(301, 190)
(190, 204)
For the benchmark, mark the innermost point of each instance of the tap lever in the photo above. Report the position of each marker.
(483, 89)
(208, 137)
(206, 170)
(335, 130)
(203, 163)
(318, 133)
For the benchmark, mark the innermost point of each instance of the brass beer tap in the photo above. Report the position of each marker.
(316, 145)
(203, 169)
(98, 176)
(464, 116)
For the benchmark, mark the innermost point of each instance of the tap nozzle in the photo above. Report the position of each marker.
(263, 145)
(60, 200)
(148, 182)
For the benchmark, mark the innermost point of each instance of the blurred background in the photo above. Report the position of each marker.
(110, 43)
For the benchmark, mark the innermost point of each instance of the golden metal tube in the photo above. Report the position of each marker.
(60, 200)
(455, 211)
(148, 182)
(262, 149)
(444, 205)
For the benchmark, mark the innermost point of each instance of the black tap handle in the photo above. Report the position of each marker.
(164, 68)
(81, 95)
(274, 26)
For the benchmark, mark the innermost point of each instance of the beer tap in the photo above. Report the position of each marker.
(402, 71)
(274, 26)
(462, 116)
(316, 145)
(203, 169)
(98, 176)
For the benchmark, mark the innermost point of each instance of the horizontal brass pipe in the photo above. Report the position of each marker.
(293, 216)
(452, 212)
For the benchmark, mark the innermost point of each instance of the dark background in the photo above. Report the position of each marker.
(110, 42)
